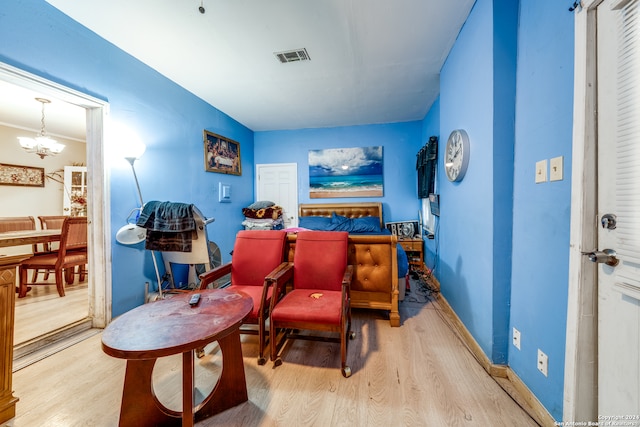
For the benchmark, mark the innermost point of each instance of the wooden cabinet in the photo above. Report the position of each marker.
(7, 315)
(413, 248)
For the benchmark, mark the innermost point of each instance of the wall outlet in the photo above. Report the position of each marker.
(516, 338)
(543, 363)
(541, 171)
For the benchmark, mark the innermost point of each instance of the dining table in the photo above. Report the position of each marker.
(8, 264)
(28, 237)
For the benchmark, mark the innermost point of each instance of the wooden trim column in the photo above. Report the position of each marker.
(8, 266)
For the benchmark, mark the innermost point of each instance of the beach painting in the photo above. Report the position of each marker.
(345, 172)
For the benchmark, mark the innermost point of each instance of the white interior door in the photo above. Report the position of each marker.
(278, 182)
(618, 222)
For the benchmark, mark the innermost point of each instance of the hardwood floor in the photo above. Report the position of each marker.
(417, 375)
(43, 311)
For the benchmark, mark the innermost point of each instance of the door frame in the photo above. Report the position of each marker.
(98, 184)
(581, 356)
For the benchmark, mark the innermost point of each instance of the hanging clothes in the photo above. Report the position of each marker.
(170, 226)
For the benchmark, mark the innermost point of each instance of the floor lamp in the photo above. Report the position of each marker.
(131, 234)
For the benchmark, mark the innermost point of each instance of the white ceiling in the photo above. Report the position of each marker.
(372, 61)
(19, 108)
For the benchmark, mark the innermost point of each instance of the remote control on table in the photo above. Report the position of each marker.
(195, 298)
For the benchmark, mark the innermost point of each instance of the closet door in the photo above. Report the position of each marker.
(278, 182)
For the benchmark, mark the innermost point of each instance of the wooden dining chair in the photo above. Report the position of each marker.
(72, 253)
(256, 254)
(51, 222)
(18, 223)
(320, 298)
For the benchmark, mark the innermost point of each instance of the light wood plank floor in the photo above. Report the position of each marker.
(43, 311)
(417, 375)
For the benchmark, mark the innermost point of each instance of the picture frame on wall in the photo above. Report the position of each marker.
(404, 229)
(346, 172)
(24, 176)
(221, 155)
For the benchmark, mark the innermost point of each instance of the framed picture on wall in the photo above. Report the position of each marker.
(346, 172)
(221, 155)
(26, 176)
(404, 229)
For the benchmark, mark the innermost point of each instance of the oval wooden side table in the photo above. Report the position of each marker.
(172, 326)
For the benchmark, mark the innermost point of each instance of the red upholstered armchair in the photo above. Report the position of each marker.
(320, 297)
(256, 254)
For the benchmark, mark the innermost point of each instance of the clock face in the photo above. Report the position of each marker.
(456, 156)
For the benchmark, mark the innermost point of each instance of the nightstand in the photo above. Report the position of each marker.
(413, 248)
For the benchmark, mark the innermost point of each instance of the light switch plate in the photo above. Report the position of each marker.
(541, 171)
(555, 169)
(224, 193)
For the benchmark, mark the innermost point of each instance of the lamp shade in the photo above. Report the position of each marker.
(134, 149)
(125, 142)
(131, 234)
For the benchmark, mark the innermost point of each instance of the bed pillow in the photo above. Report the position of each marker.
(365, 224)
(320, 223)
(340, 223)
(260, 204)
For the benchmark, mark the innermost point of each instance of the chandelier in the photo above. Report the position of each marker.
(41, 145)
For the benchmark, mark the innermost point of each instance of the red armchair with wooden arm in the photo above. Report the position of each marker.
(320, 296)
(256, 254)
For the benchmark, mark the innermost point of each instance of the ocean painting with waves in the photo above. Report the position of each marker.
(345, 172)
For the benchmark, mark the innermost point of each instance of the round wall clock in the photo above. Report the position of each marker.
(456, 156)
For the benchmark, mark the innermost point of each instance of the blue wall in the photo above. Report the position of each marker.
(466, 207)
(504, 240)
(169, 119)
(505, 35)
(431, 127)
(541, 217)
(400, 142)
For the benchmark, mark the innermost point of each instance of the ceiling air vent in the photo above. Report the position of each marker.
(293, 55)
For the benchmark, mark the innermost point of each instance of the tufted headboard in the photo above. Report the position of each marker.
(350, 210)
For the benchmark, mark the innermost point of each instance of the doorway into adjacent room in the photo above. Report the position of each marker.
(90, 299)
